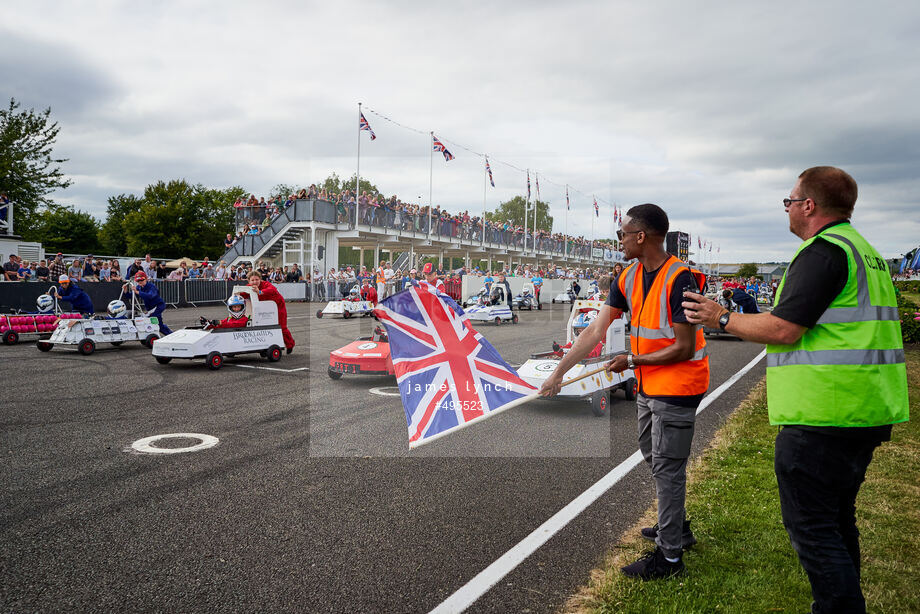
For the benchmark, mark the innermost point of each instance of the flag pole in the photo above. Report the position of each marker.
(565, 232)
(526, 207)
(430, 180)
(485, 178)
(358, 170)
(525, 399)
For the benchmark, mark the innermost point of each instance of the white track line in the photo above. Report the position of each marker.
(271, 368)
(467, 594)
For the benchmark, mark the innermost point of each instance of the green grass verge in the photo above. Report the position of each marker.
(744, 562)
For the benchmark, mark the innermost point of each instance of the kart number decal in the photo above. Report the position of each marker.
(545, 367)
(367, 346)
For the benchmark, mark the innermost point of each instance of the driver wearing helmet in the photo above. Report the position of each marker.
(354, 295)
(117, 310)
(582, 321)
(44, 303)
(236, 305)
(69, 291)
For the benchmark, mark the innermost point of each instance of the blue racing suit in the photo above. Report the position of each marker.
(78, 299)
(744, 300)
(154, 304)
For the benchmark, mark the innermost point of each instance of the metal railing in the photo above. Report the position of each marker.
(169, 291)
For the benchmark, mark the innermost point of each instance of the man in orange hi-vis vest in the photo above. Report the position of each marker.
(380, 278)
(668, 355)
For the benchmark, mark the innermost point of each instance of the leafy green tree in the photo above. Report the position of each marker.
(366, 186)
(112, 233)
(514, 210)
(63, 229)
(28, 171)
(284, 189)
(748, 269)
(179, 219)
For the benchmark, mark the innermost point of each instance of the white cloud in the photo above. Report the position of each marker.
(708, 109)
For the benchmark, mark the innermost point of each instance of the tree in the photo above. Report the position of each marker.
(747, 270)
(366, 186)
(28, 171)
(112, 233)
(178, 219)
(514, 210)
(63, 229)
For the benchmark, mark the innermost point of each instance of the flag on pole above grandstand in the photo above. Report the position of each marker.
(597, 210)
(448, 375)
(489, 171)
(363, 125)
(528, 185)
(537, 178)
(439, 146)
(567, 204)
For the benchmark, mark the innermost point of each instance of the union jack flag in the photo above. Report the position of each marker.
(363, 125)
(597, 210)
(448, 374)
(537, 177)
(699, 245)
(567, 204)
(439, 146)
(528, 185)
(489, 170)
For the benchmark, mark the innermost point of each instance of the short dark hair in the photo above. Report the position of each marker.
(832, 189)
(650, 218)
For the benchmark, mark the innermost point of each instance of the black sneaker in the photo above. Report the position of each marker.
(289, 350)
(653, 566)
(687, 540)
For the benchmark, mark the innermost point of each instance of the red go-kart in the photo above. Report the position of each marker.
(365, 356)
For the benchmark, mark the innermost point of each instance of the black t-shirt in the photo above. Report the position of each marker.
(42, 271)
(814, 279)
(616, 300)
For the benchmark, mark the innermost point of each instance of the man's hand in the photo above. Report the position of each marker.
(552, 385)
(618, 364)
(701, 310)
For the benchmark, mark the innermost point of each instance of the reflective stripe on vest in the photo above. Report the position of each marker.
(849, 369)
(652, 330)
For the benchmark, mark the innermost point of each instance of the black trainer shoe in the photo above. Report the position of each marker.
(653, 566)
(687, 540)
(289, 350)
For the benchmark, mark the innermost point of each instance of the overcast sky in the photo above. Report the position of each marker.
(708, 109)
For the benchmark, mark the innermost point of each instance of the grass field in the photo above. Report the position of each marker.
(744, 562)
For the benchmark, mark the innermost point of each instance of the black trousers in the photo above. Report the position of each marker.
(819, 477)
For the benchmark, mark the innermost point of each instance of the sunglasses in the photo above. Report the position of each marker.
(620, 233)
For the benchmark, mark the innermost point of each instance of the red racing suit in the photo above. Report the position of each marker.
(368, 293)
(268, 292)
(231, 323)
(594, 353)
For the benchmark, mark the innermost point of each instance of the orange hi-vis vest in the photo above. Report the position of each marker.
(652, 329)
(381, 278)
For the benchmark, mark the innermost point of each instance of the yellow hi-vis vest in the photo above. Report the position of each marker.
(848, 370)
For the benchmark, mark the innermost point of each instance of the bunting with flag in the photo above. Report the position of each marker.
(489, 171)
(439, 146)
(448, 374)
(363, 125)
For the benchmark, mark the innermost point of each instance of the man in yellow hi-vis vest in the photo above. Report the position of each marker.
(836, 378)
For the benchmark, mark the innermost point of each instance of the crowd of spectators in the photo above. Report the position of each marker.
(256, 214)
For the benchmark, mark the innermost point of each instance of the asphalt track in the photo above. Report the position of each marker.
(311, 501)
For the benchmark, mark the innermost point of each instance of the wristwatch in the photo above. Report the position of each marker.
(629, 361)
(723, 320)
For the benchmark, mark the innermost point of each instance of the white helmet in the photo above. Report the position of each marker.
(583, 321)
(44, 302)
(117, 308)
(354, 289)
(236, 305)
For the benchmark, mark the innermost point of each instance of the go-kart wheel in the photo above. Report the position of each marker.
(333, 374)
(554, 301)
(631, 388)
(599, 403)
(86, 346)
(319, 313)
(215, 361)
(163, 360)
(117, 343)
(514, 319)
(149, 339)
(44, 346)
(346, 314)
(498, 321)
(10, 337)
(273, 354)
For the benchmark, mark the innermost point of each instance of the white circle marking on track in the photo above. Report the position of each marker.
(144, 446)
(385, 391)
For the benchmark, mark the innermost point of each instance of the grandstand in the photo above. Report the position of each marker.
(310, 232)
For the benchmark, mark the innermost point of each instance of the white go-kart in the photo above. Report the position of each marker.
(597, 387)
(566, 297)
(261, 335)
(87, 333)
(347, 308)
(497, 313)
